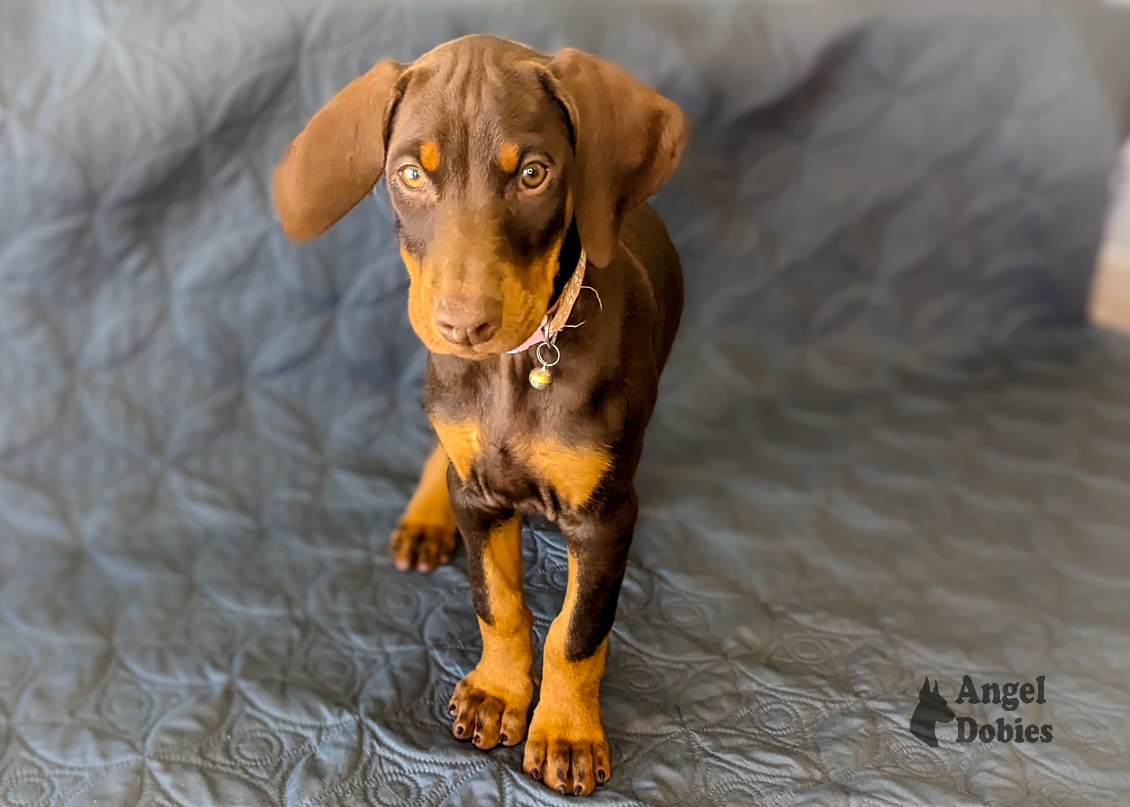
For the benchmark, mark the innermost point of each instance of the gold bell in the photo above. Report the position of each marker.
(540, 377)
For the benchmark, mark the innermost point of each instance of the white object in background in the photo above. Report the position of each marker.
(1110, 294)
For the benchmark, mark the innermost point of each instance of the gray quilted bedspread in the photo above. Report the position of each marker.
(887, 448)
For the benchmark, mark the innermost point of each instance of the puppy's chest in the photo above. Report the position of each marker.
(516, 465)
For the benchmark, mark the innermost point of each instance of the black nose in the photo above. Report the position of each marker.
(468, 322)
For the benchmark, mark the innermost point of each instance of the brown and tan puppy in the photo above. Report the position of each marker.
(502, 163)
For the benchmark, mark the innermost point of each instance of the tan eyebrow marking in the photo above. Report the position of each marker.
(429, 156)
(508, 157)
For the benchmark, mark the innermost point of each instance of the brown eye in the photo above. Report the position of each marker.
(412, 176)
(533, 175)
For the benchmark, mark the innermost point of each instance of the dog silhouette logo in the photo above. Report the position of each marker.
(932, 708)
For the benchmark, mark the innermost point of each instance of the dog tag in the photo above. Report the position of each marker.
(540, 377)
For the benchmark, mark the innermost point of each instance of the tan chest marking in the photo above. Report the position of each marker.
(461, 442)
(573, 471)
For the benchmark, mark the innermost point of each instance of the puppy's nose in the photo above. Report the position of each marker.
(464, 321)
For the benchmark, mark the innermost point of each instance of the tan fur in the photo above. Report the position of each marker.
(508, 157)
(574, 472)
(429, 156)
(461, 442)
(420, 306)
(492, 701)
(566, 747)
(525, 296)
(425, 536)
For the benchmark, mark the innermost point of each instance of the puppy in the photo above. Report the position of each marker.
(548, 295)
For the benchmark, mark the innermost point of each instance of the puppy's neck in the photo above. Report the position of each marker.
(566, 262)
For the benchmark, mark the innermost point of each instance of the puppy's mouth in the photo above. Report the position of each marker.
(522, 296)
(520, 321)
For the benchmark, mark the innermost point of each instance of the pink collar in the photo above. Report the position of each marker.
(536, 337)
(556, 317)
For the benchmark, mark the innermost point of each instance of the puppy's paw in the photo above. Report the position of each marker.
(567, 754)
(422, 547)
(488, 715)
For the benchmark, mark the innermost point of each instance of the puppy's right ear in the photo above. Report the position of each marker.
(339, 156)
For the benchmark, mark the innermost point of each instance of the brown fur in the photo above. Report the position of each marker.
(487, 253)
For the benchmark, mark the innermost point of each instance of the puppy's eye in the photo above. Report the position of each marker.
(533, 175)
(412, 176)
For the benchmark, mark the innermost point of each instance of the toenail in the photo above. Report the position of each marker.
(577, 790)
(534, 773)
(561, 789)
(601, 776)
(477, 739)
(502, 738)
(458, 731)
(453, 710)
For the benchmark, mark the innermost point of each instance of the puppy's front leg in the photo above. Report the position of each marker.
(425, 536)
(490, 705)
(566, 748)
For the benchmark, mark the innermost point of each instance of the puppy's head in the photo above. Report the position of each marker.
(491, 151)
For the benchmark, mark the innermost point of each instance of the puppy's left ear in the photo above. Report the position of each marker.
(338, 157)
(627, 140)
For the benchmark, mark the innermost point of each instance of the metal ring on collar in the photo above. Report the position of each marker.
(556, 356)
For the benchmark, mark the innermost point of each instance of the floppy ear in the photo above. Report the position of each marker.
(338, 157)
(628, 139)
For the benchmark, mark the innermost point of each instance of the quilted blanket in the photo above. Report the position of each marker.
(887, 450)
